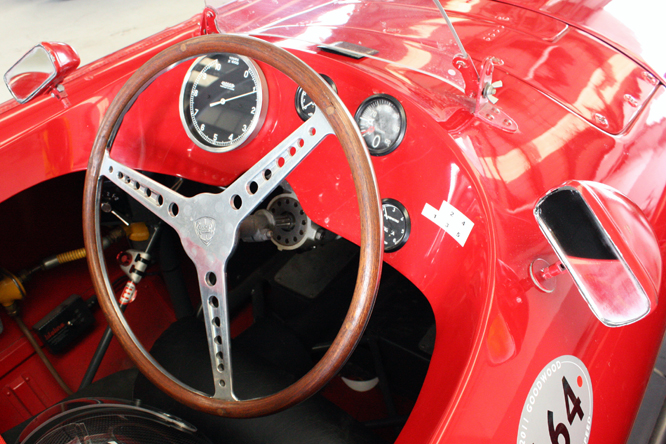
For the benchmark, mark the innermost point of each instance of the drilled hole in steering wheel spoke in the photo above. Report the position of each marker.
(236, 202)
(211, 280)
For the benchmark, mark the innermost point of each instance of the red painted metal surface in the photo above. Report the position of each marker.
(584, 110)
(65, 57)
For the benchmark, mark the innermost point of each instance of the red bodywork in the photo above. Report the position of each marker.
(585, 110)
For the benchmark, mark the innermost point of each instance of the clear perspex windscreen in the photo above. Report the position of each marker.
(429, 44)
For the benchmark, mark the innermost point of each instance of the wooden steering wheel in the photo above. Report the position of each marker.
(210, 257)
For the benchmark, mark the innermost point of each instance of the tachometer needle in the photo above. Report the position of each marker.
(223, 101)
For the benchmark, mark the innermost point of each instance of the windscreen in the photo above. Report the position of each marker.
(409, 33)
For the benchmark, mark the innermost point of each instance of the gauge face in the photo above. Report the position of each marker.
(382, 122)
(305, 107)
(396, 225)
(223, 101)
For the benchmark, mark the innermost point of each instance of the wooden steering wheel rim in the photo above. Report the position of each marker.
(370, 219)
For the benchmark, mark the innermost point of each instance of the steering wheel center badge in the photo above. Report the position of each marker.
(205, 229)
(558, 408)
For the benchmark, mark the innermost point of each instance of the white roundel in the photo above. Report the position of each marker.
(558, 408)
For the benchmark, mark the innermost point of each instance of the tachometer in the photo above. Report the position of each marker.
(223, 101)
(382, 121)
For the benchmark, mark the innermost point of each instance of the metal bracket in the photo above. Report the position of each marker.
(486, 107)
(208, 25)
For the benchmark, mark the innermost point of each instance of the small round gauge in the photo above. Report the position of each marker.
(223, 101)
(382, 122)
(396, 225)
(305, 107)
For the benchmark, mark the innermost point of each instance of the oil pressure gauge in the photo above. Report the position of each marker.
(305, 107)
(381, 119)
(396, 225)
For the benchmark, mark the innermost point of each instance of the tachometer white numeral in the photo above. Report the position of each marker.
(577, 411)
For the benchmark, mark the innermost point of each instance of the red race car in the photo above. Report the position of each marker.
(338, 221)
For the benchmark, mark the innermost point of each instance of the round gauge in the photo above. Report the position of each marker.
(382, 122)
(223, 101)
(305, 107)
(396, 225)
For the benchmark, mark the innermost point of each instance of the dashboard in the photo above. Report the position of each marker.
(223, 106)
(416, 165)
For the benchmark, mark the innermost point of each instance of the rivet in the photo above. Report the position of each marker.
(650, 78)
(631, 100)
(601, 120)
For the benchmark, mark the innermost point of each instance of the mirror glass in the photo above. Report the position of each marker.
(31, 74)
(596, 265)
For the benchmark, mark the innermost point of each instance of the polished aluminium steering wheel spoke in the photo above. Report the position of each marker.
(208, 223)
(250, 189)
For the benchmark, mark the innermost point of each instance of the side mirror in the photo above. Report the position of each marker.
(41, 68)
(606, 243)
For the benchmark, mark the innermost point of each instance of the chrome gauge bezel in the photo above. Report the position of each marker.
(186, 111)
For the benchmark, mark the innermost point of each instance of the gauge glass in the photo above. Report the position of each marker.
(381, 119)
(305, 107)
(396, 225)
(223, 101)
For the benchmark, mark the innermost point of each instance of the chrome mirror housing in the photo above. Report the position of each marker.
(606, 243)
(41, 68)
